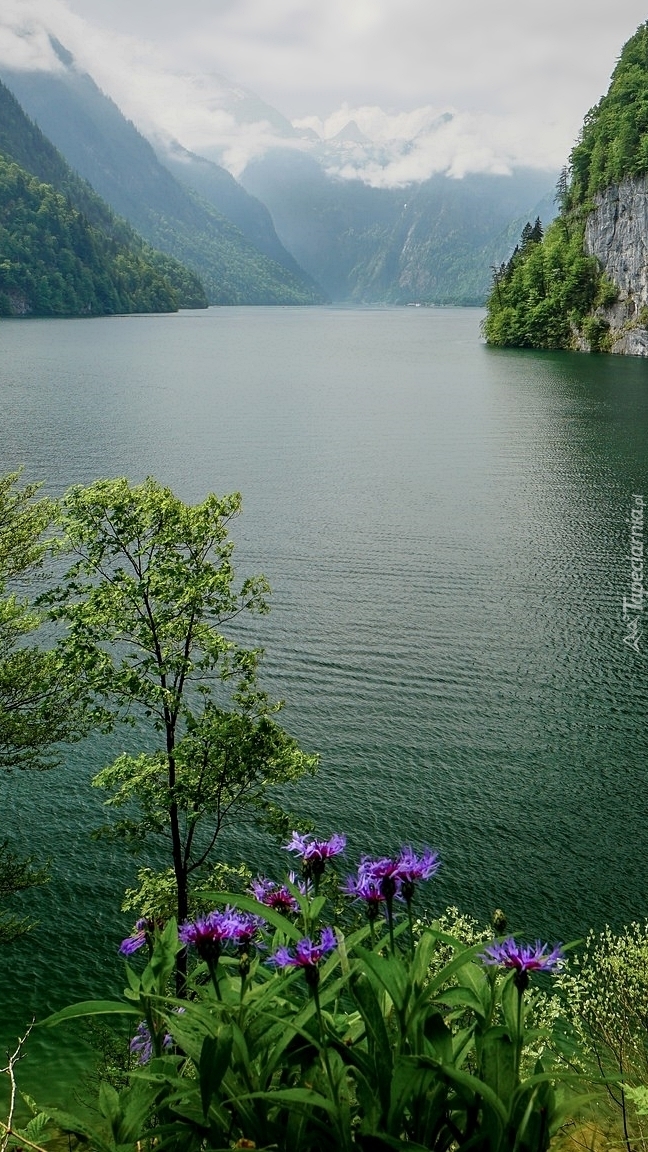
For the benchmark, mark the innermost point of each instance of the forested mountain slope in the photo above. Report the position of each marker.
(63, 252)
(584, 285)
(109, 152)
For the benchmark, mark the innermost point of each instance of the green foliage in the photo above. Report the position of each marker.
(54, 263)
(121, 165)
(547, 297)
(145, 602)
(372, 1050)
(36, 698)
(150, 277)
(614, 139)
(228, 264)
(545, 291)
(16, 875)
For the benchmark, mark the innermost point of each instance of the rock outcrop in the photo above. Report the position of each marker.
(616, 233)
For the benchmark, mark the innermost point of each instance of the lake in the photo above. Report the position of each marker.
(446, 531)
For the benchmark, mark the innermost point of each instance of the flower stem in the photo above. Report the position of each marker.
(410, 917)
(518, 1045)
(389, 901)
(325, 1056)
(213, 972)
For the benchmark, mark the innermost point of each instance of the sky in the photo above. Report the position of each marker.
(513, 79)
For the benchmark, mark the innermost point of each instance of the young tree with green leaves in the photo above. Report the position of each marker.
(146, 602)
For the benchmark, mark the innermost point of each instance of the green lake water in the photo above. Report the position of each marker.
(445, 528)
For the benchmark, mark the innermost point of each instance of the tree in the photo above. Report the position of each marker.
(145, 601)
(36, 700)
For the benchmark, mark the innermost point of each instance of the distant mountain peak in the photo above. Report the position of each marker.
(350, 134)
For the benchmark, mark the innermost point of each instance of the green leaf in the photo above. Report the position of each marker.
(473, 976)
(387, 971)
(412, 1082)
(110, 1107)
(439, 1036)
(89, 1008)
(498, 1066)
(512, 1005)
(215, 1057)
(423, 956)
(68, 1122)
(478, 1088)
(378, 1040)
(461, 998)
(36, 1127)
(316, 907)
(302, 1096)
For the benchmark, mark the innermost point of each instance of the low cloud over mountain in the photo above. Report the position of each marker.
(228, 123)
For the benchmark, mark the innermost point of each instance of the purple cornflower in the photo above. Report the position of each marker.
(397, 875)
(244, 927)
(523, 958)
(363, 887)
(209, 933)
(142, 1044)
(306, 955)
(384, 873)
(274, 895)
(137, 939)
(412, 867)
(314, 853)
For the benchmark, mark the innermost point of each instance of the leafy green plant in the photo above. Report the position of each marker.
(330, 1040)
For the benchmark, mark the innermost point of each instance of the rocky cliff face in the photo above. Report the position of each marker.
(617, 234)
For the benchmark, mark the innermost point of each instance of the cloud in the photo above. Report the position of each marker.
(407, 147)
(24, 41)
(307, 56)
(458, 89)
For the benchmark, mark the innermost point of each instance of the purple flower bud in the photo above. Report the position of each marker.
(274, 895)
(142, 1044)
(138, 938)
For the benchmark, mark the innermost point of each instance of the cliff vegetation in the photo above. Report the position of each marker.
(553, 292)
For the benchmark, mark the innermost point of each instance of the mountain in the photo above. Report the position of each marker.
(215, 185)
(431, 242)
(109, 152)
(584, 285)
(62, 251)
